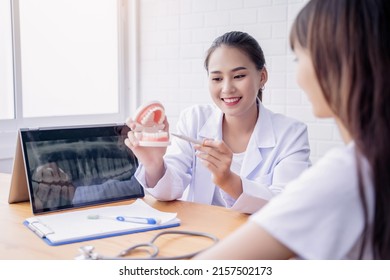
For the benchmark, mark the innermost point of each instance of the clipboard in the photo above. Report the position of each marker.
(76, 226)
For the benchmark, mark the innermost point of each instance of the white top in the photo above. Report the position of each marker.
(221, 198)
(278, 151)
(237, 161)
(319, 215)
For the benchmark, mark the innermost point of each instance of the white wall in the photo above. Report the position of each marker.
(175, 34)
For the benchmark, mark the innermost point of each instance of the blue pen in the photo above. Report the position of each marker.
(138, 220)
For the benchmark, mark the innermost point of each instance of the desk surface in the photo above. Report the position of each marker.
(18, 242)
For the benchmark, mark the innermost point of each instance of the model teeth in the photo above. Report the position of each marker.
(151, 118)
(153, 128)
(148, 119)
(138, 135)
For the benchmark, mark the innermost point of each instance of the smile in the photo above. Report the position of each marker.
(231, 101)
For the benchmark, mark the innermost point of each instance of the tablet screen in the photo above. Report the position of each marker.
(78, 166)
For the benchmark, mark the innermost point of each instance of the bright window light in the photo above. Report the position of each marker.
(69, 57)
(6, 69)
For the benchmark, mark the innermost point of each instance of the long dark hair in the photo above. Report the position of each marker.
(245, 43)
(349, 43)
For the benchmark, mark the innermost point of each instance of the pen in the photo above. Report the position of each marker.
(189, 139)
(138, 220)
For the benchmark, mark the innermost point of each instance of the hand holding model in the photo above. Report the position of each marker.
(148, 126)
(149, 138)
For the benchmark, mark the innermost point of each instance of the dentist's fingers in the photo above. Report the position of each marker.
(130, 123)
(214, 149)
(215, 155)
(133, 125)
(132, 139)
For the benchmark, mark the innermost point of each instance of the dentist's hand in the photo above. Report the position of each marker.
(217, 157)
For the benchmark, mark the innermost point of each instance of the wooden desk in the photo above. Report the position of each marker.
(18, 242)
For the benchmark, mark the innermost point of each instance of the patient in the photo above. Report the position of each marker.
(339, 208)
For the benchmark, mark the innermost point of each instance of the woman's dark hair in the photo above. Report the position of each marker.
(349, 43)
(245, 43)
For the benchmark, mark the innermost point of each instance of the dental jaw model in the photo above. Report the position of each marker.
(149, 130)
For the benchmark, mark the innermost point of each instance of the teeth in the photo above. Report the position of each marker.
(148, 119)
(138, 135)
(95, 168)
(231, 100)
(153, 128)
(146, 136)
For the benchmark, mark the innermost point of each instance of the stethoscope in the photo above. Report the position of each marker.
(87, 252)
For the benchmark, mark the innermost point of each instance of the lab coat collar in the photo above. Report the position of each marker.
(264, 130)
(263, 136)
(212, 129)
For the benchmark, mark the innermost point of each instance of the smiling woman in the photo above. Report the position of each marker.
(239, 154)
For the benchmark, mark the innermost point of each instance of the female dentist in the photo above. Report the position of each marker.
(248, 153)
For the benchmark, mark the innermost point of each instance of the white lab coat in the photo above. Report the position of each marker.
(277, 152)
(320, 214)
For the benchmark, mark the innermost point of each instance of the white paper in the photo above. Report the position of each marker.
(77, 226)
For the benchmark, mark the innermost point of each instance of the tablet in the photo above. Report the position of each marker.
(72, 167)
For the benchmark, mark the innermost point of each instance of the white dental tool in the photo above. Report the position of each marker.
(189, 139)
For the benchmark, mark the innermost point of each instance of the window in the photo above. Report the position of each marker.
(6, 69)
(65, 63)
(69, 57)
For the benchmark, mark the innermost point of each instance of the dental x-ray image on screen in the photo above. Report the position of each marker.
(78, 166)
